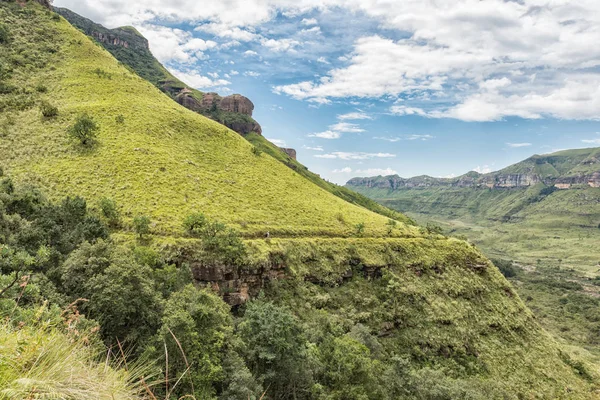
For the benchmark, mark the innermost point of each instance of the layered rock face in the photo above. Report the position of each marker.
(235, 111)
(289, 152)
(499, 181)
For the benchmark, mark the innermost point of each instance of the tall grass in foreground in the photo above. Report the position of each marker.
(47, 364)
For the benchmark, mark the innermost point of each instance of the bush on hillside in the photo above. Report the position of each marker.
(506, 267)
(219, 242)
(360, 228)
(84, 130)
(141, 225)
(48, 110)
(4, 34)
(110, 212)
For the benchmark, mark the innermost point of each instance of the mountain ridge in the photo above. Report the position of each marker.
(580, 166)
(130, 47)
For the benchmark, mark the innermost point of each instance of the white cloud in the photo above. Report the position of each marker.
(517, 145)
(404, 110)
(377, 171)
(225, 31)
(342, 155)
(323, 60)
(233, 72)
(195, 79)
(309, 21)
(326, 135)
(354, 116)
(252, 74)
(405, 137)
(249, 53)
(277, 142)
(483, 169)
(591, 141)
(280, 45)
(346, 170)
(168, 44)
(479, 60)
(346, 127)
(315, 30)
(315, 148)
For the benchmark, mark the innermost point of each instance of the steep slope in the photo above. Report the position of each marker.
(132, 49)
(162, 160)
(127, 45)
(434, 302)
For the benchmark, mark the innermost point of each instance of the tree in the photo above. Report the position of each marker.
(141, 225)
(275, 349)
(84, 130)
(196, 325)
(110, 211)
(194, 224)
(125, 302)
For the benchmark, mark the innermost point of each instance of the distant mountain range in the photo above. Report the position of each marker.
(562, 170)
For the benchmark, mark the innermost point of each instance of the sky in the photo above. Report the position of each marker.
(382, 87)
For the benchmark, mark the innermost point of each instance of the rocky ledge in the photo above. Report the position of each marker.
(234, 111)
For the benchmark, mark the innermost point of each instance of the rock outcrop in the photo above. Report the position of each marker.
(235, 111)
(290, 152)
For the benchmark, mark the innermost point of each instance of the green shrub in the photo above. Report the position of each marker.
(194, 223)
(110, 211)
(40, 88)
(256, 151)
(102, 73)
(120, 119)
(141, 225)
(84, 130)
(506, 267)
(360, 228)
(4, 34)
(434, 229)
(48, 110)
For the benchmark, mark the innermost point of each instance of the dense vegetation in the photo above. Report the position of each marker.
(298, 340)
(345, 303)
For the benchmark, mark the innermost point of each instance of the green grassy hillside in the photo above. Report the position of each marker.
(162, 161)
(367, 309)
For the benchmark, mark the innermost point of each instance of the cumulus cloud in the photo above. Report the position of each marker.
(280, 45)
(354, 116)
(485, 169)
(366, 172)
(169, 44)
(405, 137)
(342, 155)
(591, 141)
(309, 21)
(313, 148)
(345, 170)
(517, 145)
(197, 80)
(326, 135)
(479, 60)
(277, 142)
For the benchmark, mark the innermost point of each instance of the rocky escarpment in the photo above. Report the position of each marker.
(127, 45)
(500, 181)
(234, 111)
(290, 152)
(561, 170)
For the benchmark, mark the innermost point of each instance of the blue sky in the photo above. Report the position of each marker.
(368, 87)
